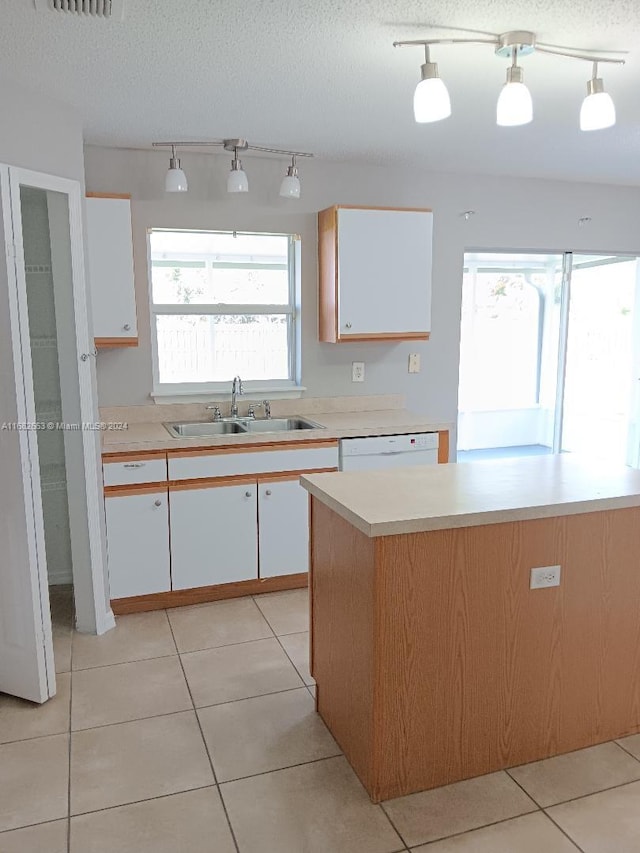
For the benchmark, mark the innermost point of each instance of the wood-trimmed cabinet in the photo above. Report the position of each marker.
(217, 523)
(110, 267)
(283, 527)
(138, 540)
(213, 533)
(374, 273)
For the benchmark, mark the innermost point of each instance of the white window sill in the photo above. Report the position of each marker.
(222, 391)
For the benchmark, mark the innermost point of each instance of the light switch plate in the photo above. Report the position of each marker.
(414, 362)
(357, 371)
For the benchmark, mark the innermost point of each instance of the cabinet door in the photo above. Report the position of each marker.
(214, 535)
(110, 261)
(384, 272)
(138, 543)
(283, 520)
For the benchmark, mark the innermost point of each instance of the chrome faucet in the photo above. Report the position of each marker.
(265, 404)
(236, 389)
(217, 415)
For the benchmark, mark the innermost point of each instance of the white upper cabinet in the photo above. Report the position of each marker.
(110, 259)
(375, 274)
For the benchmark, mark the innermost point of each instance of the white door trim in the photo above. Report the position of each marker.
(43, 684)
(93, 611)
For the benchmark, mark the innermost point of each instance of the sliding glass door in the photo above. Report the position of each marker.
(548, 354)
(599, 357)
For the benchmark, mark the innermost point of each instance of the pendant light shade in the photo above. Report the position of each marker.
(290, 186)
(175, 180)
(237, 179)
(515, 106)
(598, 110)
(431, 100)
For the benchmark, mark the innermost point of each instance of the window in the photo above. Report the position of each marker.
(223, 304)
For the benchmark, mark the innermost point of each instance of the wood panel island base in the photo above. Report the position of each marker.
(434, 659)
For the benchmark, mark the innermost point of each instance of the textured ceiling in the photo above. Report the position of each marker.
(322, 76)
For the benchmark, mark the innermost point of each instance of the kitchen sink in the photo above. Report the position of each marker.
(279, 424)
(232, 426)
(200, 428)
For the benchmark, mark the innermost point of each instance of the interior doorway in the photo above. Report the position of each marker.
(547, 357)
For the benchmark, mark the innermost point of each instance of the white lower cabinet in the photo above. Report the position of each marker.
(283, 528)
(138, 543)
(213, 535)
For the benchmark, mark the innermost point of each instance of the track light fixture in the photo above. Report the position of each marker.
(237, 179)
(598, 110)
(515, 106)
(176, 180)
(431, 98)
(290, 186)
(237, 182)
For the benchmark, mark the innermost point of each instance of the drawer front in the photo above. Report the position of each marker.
(132, 471)
(252, 462)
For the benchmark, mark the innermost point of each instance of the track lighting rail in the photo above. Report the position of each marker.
(431, 100)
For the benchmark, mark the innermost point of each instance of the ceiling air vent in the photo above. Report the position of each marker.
(87, 8)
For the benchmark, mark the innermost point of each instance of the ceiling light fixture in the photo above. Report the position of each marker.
(598, 110)
(237, 178)
(515, 107)
(237, 182)
(431, 100)
(175, 180)
(290, 186)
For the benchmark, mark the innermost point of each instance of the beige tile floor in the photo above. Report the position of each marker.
(194, 730)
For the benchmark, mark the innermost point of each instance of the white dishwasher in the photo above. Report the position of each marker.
(388, 451)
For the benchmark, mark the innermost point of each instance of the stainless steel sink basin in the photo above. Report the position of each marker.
(279, 424)
(202, 429)
(233, 426)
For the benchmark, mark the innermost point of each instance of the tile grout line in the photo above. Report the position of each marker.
(277, 636)
(580, 796)
(123, 662)
(154, 716)
(624, 748)
(563, 831)
(204, 741)
(278, 769)
(541, 809)
(288, 656)
(138, 802)
(392, 824)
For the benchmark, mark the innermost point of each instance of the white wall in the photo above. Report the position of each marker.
(39, 133)
(510, 214)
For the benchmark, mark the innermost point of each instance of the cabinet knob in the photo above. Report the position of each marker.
(157, 503)
(268, 492)
(127, 327)
(247, 494)
(347, 325)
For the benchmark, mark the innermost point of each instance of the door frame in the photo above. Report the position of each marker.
(43, 685)
(93, 609)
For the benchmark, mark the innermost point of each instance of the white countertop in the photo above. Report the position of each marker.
(154, 436)
(437, 497)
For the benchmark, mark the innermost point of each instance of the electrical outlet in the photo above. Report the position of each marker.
(357, 371)
(545, 576)
(414, 362)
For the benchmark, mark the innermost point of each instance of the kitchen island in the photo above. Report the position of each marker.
(434, 660)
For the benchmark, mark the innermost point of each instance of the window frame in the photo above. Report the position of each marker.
(252, 388)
